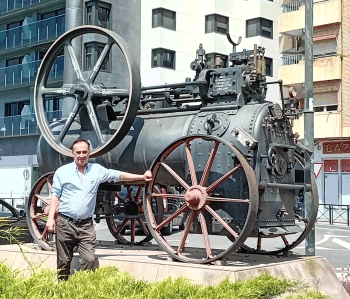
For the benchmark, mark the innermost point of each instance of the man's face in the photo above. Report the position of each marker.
(81, 154)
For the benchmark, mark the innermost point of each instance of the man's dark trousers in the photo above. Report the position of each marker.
(70, 234)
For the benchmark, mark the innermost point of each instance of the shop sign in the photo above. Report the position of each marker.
(338, 147)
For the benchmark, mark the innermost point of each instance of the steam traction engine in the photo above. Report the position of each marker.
(227, 166)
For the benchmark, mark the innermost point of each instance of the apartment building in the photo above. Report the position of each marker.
(331, 100)
(168, 32)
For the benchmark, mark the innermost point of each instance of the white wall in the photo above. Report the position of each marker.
(190, 32)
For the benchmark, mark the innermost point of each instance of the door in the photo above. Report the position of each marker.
(331, 183)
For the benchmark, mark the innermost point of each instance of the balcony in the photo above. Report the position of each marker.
(10, 5)
(26, 73)
(292, 19)
(36, 32)
(24, 124)
(326, 125)
(292, 71)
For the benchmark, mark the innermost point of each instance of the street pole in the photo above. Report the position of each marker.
(74, 18)
(309, 116)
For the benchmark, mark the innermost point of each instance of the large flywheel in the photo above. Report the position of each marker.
(92, 116)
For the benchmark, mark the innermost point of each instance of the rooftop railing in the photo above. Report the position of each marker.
(24, 124)
(32, 33)
(292, 59)
(292, 6)
(10, 5)
(26, 73)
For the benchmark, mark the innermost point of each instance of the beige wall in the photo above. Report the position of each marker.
(325, 68)
(327, 12)
(326, 125)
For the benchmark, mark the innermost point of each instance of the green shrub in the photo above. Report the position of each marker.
(109, 282)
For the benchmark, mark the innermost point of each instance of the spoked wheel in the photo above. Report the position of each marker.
(38, 210)
(284, 243)
(219, 198)
(130, 229)
(92, 116)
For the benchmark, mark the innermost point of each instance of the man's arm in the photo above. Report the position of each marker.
(130, 177)
(53, 208)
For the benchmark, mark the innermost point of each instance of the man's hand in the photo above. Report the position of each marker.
(51, 225)
(148, 176)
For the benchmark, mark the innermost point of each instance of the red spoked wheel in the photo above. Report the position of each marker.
(218, 198)
(284, 243)
(130, 228)
(38, 210)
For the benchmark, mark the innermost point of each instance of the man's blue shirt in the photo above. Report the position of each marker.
(78, 196)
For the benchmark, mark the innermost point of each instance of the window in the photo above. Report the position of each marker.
(268, 67)
(92, 53)
(14, 24)
(259, 26)
(162, 17)
(215, 59)
(14, 61)
(12, 109)
(163, 58)
(52, 14)
(53, 103)
(216, 23)
(98, 13)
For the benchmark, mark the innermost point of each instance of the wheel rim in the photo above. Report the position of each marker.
(198, 203)
(38, 203)
(288, 242)
(85, 90)
(119, 230)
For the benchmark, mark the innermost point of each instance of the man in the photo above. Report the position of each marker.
(74, 193)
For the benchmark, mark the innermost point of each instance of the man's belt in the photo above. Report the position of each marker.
(76, 221)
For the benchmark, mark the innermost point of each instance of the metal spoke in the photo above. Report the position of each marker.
(43, 199)
(103, 92)
(223, 178)
(93, 118)
(186, 231)
(258, 246)
(74, 61)
(133, 230)
(210, 198)
(166, 195)
(69, 120)
(62, 91)
(222, 221)
(285, 241)
(171, 217)
(191, 164)
(138, 194)
(175, 175)
(301, 218)
(120, 227)
(205, 234)
(44, 234)
(143, 226)
(100, 60)
(209, 164)
(39, 216)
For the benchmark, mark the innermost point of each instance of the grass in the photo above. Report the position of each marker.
(109, 282)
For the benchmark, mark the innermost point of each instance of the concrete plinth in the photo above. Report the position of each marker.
(152, 264)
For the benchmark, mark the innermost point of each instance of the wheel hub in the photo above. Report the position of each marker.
(196, 197)
(84, 89)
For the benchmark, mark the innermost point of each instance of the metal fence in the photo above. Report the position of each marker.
(292, 6)
(292, 59)
(24, 124)
(26, 72)
(334, 214)
(10, 5)
(32, 33)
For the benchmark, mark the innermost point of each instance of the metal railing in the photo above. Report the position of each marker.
(26, 72)
(32, 33)
(292, 59)
(24, 124)
(292, 6)
(10, 5)
(334, 213)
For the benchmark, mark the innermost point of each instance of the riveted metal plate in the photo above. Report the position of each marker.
(200, 124)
